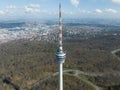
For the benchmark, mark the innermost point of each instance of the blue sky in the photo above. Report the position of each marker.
(47, 9)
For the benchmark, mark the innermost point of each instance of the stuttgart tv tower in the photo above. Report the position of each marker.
(60, 55)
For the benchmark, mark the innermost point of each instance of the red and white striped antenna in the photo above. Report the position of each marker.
(60, 28)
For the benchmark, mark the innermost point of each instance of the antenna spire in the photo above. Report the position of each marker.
(60, 28)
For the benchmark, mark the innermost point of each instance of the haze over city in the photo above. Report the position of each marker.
(47, 9)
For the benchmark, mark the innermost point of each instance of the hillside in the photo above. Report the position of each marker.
(70, 83)
(24, 62)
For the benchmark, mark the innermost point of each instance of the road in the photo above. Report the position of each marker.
(114, 51)
(76, 73)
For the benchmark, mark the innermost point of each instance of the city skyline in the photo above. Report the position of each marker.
(47, 9)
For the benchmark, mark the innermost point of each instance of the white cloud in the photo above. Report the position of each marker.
(71, 13)
(98, 11)
(35, 10)
(116, 1)
(46, 12)
(2, 12)
(75, 2)
(28, 10)
(11, 7)
(32, 8)
(84, 11)
(111, 11)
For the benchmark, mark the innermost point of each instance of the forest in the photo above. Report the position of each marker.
(23, 63)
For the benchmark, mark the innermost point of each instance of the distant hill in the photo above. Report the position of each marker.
(11, 24)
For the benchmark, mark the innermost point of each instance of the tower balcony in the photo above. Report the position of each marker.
(60, 56)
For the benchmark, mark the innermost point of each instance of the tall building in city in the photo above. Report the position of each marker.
(60, 55)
